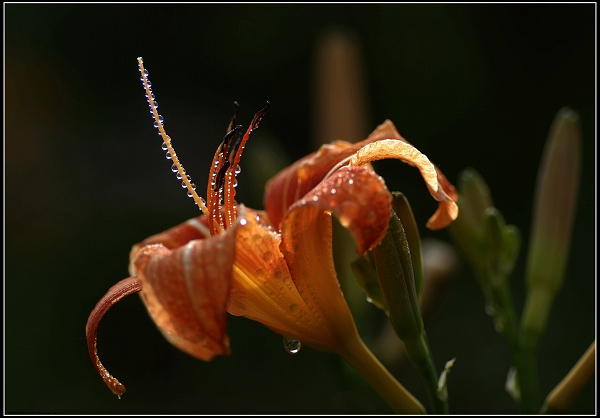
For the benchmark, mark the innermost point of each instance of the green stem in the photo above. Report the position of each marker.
(420, 356)
(356, 353)
(526, 365)
(522, 349)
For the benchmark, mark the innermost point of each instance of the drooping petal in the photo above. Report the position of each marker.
(298, 179)
(186, 291)
(117, 292)
(362, 203)
(262, 288)
(439, 187)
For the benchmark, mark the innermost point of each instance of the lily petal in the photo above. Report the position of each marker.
(402, 150)
(175, 237)
(262, 288)
(362, 203)
(298, 179)
(122, 289)
(186, 290)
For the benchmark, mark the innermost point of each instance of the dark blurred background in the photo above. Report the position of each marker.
(469, 85)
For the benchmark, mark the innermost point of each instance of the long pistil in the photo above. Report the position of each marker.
(158, 123)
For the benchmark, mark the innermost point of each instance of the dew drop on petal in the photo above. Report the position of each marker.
(267, 256)
(291, 346)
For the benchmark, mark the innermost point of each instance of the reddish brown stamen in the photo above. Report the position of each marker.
(234, 158)
(124, 288)
(222, 177)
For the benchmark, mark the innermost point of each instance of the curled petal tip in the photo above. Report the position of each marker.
(124, 288)
(446, 212)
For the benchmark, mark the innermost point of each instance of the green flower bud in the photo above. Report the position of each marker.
(554, 211)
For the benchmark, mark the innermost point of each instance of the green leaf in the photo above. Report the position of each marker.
(407, 219)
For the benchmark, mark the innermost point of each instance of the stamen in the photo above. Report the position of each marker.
(229, 181)
(236, 152)
(234, 117)
(186, 180)
(124, 288)
(233, 137)
(217, 177)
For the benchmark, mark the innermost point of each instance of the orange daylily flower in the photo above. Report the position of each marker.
(273, 266)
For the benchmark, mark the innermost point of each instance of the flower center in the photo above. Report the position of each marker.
(220, 207)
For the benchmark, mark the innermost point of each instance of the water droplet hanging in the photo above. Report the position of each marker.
(291, 346)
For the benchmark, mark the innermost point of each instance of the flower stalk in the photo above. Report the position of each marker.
(356, 353)
(491, 247)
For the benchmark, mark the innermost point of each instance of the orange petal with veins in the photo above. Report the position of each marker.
(358, 197)
(262, 288)
(296, 180)
(175, 237)
(186, 290)
(299, 178)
